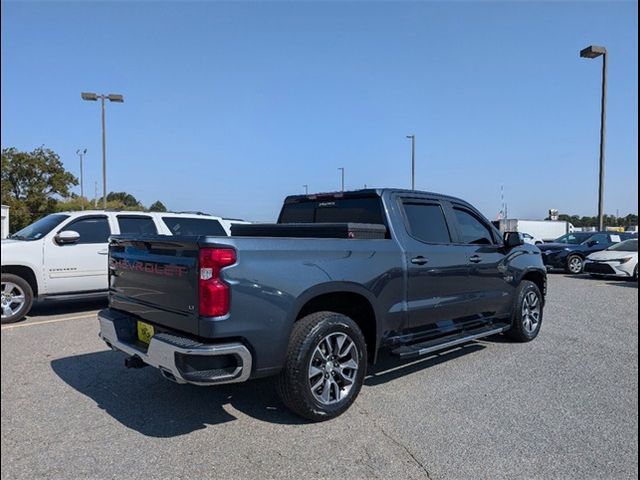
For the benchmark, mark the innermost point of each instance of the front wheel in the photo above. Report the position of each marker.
(575, 264)
(17, 297)
(325, 366)
(527, 316)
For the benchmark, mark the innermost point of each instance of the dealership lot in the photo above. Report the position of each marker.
(563, 406)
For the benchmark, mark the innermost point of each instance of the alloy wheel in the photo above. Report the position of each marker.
(13, 299)
(531, 312)
(575, 264)
(333, 368)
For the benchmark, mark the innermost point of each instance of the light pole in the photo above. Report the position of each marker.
(413, 161)
(306, 189)
(342, 170)
(112, 97)
(593, 51)
(81, 153)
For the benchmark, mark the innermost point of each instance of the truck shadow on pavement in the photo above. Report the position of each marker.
(389, 367)
(49, 308)
(146, 402)
(142, 400)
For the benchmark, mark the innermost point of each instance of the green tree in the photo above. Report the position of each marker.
(126, 199)
(630, 220)
(157, 206)
(31, 184)
(74, 203)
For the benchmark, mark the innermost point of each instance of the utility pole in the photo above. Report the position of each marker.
(81, 154)
(95, 198)
(112, 97)
(342, 170)
(594, 51)
(306, 189)
(413, 161)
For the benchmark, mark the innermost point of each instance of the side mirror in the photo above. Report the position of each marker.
(513, 239)
(67, 237)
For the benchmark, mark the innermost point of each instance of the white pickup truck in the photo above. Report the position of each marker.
(65, 254)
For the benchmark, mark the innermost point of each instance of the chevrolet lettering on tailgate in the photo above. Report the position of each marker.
(168, 270)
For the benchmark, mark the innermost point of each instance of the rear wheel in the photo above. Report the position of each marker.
(527, 316)
(325, 366)
(635, 273)
(575, 264)
(17, 298)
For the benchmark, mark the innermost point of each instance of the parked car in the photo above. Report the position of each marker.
(564, 254)
(573, 238)
(65, 254)
(620, 260)
(425, 272)
(531, 240)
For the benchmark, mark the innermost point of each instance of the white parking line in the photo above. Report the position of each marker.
(53, 320)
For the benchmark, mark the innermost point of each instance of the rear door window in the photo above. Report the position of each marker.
(194, 226)
(426, 222)
(141, 224)
(93, 229)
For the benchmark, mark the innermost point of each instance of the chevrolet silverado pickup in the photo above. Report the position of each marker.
(313, 299)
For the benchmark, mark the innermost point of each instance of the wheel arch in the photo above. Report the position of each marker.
(539, 278)
(347, 298)
(25, 272)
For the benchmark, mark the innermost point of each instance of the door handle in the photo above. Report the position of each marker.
(103, 252)
(419, 260)
(475, 259)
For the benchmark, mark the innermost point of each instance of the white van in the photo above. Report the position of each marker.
(65, 254)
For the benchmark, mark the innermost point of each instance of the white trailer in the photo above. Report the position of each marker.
(547, 230)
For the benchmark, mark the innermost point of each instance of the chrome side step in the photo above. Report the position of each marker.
(442, 343)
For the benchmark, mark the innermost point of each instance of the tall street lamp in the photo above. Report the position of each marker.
(593, 51)
(306, 189)
(413, 161)
(342, 171)
(81, 153)
(112, 97)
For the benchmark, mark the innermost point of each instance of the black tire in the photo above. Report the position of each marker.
(21, 310)
(519, 331)
(574, 264)
(294, 382)
(635, 274)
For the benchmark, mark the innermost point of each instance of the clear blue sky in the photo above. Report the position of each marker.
(231, 106)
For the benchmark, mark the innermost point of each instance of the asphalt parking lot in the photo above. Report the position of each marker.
(563, 406)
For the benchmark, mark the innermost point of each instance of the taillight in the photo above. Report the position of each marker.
(214, 293)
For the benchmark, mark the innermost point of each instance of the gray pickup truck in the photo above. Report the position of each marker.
(315, 297)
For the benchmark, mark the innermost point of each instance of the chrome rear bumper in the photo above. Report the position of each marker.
(164, 349)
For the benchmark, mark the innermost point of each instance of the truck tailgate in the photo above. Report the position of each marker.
(155, 278)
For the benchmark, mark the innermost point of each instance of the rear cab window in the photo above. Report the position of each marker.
(137, 224)
(335, 209)
(425, 221)
(194, 226)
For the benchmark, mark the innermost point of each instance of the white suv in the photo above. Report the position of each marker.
(65, 254)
